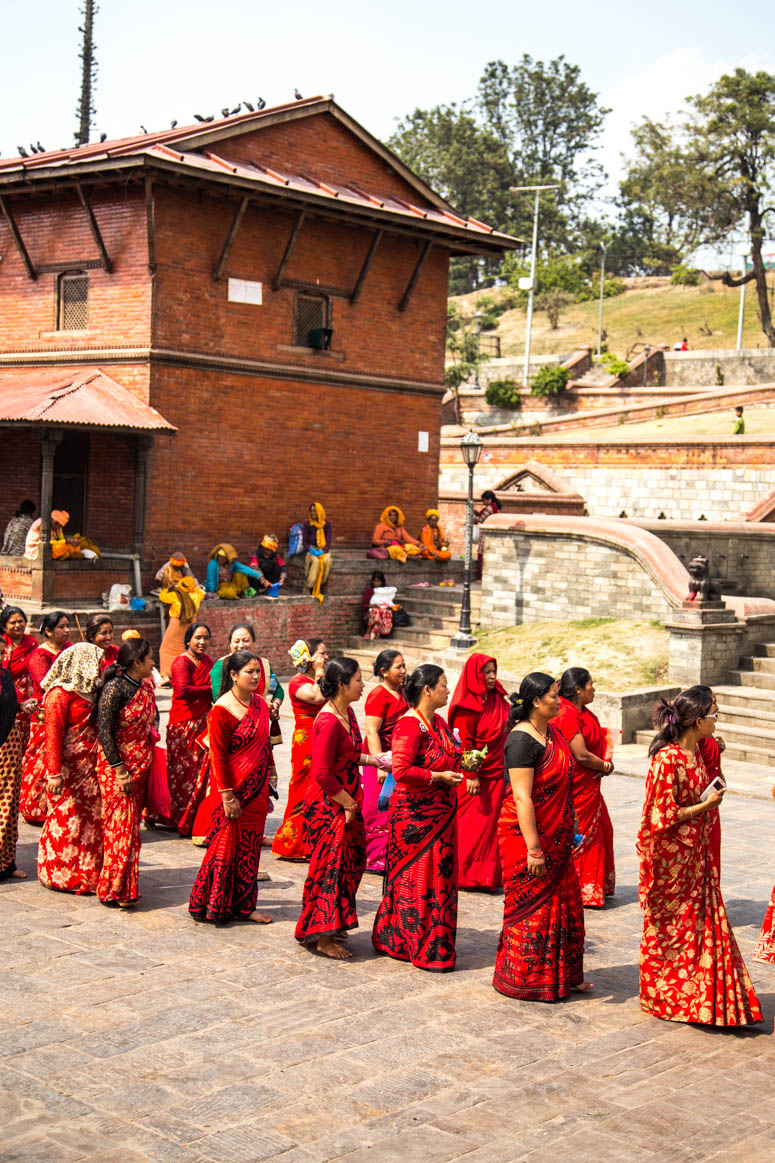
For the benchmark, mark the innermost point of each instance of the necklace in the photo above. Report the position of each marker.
(345, 719)
(239, 700)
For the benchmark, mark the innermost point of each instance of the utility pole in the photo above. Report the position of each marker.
(85, 110)
(602, 294)
(529, 283)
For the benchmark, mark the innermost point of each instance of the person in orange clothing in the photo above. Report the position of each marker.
(390, 535)
(434, 543)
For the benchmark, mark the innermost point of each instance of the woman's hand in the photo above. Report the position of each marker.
(350, 812)
(448, 777)
(472, 785)
(721, 744)
(55, 784)
(274, 710)
(29, 705)
(712, 800)
(608, 768)
(381, 777)
(232, 808)
(124, 779)
(536, 863)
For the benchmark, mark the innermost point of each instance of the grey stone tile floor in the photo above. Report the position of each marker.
(142, 1036)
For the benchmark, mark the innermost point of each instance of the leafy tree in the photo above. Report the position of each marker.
(86, 110)
(463, 346)
(553, 302)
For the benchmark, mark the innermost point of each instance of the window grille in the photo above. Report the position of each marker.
(73, 305)
(311, 314)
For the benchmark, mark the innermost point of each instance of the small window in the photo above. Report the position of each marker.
(73, 302)
(310, 315)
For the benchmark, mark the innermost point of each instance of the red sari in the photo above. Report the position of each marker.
(288, 842)
(33, 802)
(417, 919)
(187, 773)
(337, 852)
(594, 857)
(480, 717)
(711, 757)
(381, 704)
(690, 966)
(70, 850)
(541, 947)
(17, 662)
(226, 886)
(765, 947)
(134, 737)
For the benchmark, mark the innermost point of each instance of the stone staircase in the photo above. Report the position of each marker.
(746, 710)
(435, 616)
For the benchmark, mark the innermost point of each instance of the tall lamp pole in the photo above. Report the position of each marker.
(602, 292)
(478, 326)
(743, 251)
(529, 283)
(471, 449)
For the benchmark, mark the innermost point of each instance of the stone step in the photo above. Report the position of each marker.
(740, 753)
(746, 696)
(435, 603)
(753, 678)
(449, 623)
(761, 665)
(755, 733)
(766, 649)
(746, 716)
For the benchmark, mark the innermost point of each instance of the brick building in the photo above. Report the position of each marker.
(271, 287)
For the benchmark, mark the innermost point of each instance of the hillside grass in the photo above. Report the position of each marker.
(759, 421)
(649, 311)
(620, 655)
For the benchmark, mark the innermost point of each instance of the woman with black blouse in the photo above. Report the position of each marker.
(541, 947)
(126, 725)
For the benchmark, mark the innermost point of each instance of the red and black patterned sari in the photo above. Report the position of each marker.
(336, 850)
(417, 919)
(226, 886)
(541, 946)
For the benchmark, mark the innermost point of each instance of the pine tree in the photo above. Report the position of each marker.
(86, 110)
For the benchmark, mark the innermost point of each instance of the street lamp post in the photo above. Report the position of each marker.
(743, 251)
(531, 281)
(471, 449)
(602, 292)
(646, 354)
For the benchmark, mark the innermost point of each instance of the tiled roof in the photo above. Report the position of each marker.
(201, 149)
(83, 397)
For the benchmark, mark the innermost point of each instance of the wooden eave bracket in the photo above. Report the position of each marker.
(356, 293)
(277, 280)
(16, 235)
(220, 265)
(404, 303)
(94, 226)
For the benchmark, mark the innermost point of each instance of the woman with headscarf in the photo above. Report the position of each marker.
(479, 712)
(70, 850)
(181, 593)
(391, 536)
(434, 543)
(99, 631)
(55, 628)
(227, 578)
(13, 630)
(15, 536)
(11, 744)
(316, 543)
(191, 701)
(270, 564)
(126, 717)
(592, 749)
(309, 659)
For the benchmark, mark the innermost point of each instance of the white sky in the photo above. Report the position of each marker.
(164, 59)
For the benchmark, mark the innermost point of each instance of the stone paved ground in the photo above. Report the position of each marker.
(128, 1037)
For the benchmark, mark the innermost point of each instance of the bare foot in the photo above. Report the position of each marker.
(260, 918)
(583, 987)
(19, 874)
(328, 947)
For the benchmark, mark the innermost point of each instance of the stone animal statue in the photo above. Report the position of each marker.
(702, 587)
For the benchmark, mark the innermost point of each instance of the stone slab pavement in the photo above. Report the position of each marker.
(142, 1036)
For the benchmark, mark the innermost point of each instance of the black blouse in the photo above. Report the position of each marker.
(116, 695)
(522, 750)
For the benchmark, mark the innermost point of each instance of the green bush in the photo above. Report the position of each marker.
(550, 381)
(684, 276)
(617, 367)
(503, 394)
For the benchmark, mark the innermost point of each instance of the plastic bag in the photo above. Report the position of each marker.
(118, 598)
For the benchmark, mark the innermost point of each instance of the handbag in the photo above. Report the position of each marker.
(157, 793)
(377, 553)
(400, 617)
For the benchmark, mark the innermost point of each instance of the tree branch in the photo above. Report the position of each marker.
(729, 280)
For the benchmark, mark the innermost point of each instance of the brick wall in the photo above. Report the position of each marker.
(19, 471)
(279, 624)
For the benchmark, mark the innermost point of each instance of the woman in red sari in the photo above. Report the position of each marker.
(765, 946)
(690, 966)
(126, 718)
(13, 629)
(541, 948)
(55, 628)
(10, 770)
(99, 631)
(479, 712)
(384, 707)
(226, 887)
(192, 698)
(591, 749)
(333, 826)
(417, 919)
(711, 749)
(310, 660)
(70, 850)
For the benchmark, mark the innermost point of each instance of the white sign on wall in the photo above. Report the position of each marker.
(244, 291)
(422, 441)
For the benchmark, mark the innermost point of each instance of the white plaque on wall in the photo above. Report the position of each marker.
(244, 291)
(422, 441)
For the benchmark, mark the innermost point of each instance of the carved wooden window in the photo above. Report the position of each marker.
(310, 314)
(73, 301)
